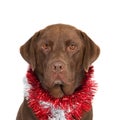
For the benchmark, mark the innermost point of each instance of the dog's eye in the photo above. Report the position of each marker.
(45, 47)
(71, 47)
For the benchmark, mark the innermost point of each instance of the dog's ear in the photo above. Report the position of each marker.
(91, 51)
(28, 50)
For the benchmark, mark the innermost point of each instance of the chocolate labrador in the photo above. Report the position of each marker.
(59, 55)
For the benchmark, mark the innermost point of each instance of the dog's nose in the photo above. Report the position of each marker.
(58, 66)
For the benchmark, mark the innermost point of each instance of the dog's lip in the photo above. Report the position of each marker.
(61, 86)
(64, 92)
(67, 92)
(58, 82)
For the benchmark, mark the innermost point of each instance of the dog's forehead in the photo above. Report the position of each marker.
(60, 31)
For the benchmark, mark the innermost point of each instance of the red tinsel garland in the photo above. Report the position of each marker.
(45, 107)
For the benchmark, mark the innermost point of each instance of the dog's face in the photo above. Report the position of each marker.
(59, 55)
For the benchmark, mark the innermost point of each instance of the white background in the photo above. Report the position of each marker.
(100, 19)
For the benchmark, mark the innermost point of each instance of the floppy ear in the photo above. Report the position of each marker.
(28, 50)
(91, 51)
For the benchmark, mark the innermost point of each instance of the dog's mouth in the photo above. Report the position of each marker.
(59, 87)
(58, 91)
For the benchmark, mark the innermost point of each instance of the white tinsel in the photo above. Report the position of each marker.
(27, 87)
(56, 113)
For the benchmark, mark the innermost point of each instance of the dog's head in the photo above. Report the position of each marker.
(59, 55)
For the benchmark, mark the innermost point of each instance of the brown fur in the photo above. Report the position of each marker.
(59, 55)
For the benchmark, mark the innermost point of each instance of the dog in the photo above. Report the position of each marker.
(59, 55)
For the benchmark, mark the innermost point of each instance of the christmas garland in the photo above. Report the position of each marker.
(45, 107)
